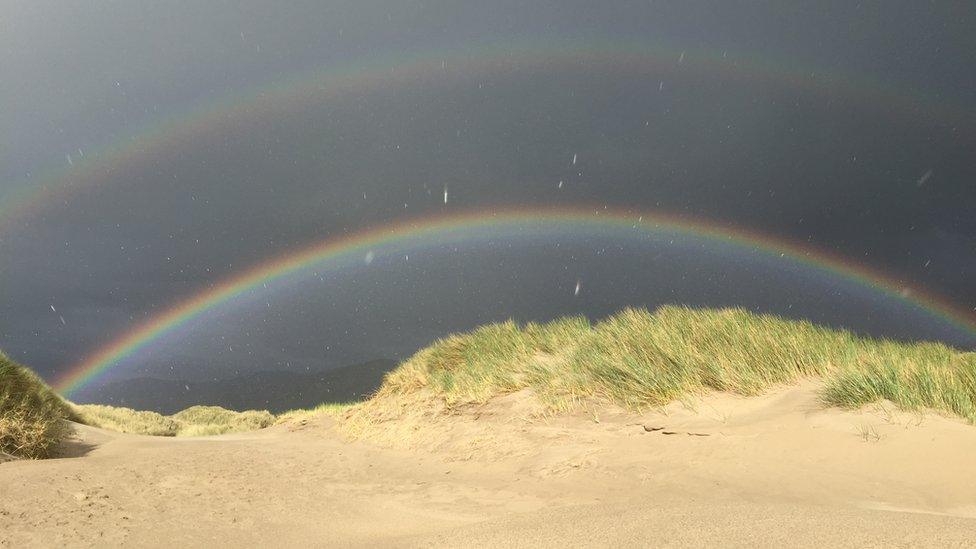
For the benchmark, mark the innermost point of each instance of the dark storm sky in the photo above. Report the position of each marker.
(888, 184)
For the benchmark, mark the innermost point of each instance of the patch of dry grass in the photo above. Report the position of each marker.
(127, 420)
(31, 414)
(32, 417)
(194, 421)
(214, 420)
(329, 409)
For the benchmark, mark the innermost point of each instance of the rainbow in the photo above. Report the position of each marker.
(22, 204)
(334, 253)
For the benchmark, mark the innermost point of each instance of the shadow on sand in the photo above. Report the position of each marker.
(79, 443)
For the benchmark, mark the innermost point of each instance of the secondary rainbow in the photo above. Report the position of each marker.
(23, 203)
(459, 226)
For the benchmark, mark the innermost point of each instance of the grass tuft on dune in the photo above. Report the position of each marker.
(329, 409)
(31, 414)
(639, 359)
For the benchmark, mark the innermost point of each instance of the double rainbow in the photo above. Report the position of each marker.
(24, 203)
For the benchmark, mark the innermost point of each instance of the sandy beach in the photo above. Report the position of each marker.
(725, 470)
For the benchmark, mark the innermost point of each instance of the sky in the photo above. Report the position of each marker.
(151, 151)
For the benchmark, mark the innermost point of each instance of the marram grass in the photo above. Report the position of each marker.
(639, 359)
(635, 358)
(194, 421)
(329, 409)
(31, 414)
(33, 417)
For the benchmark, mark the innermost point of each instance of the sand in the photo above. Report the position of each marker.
(763, 471)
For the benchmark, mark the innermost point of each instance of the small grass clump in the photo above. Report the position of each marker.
(194, 421)
(329, 409)
(640, 359)
(31, 414)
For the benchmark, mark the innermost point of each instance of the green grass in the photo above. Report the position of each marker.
(914, 377)
(31, 414)
(639, 359)
(194, 421)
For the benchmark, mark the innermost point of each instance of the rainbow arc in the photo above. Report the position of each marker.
(343, 251)
(318, 85)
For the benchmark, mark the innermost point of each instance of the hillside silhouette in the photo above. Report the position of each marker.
(273, 390)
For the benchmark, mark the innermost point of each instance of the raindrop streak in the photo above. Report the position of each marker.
(576, 291)
(925, 177)
(574, 159)
(445, 194)
(369, 257)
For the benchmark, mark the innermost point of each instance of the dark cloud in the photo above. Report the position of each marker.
(837, 170)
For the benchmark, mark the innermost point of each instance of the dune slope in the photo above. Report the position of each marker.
(736, 471)
(31, 414)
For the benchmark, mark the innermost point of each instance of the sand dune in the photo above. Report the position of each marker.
(768, 471)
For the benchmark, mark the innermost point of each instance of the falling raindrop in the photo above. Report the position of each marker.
(925, 177)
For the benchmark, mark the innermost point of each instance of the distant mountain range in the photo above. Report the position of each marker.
(275, 391)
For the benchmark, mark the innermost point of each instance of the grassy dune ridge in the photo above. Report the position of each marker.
(639, 359)
(194, 421)
(636, 359)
